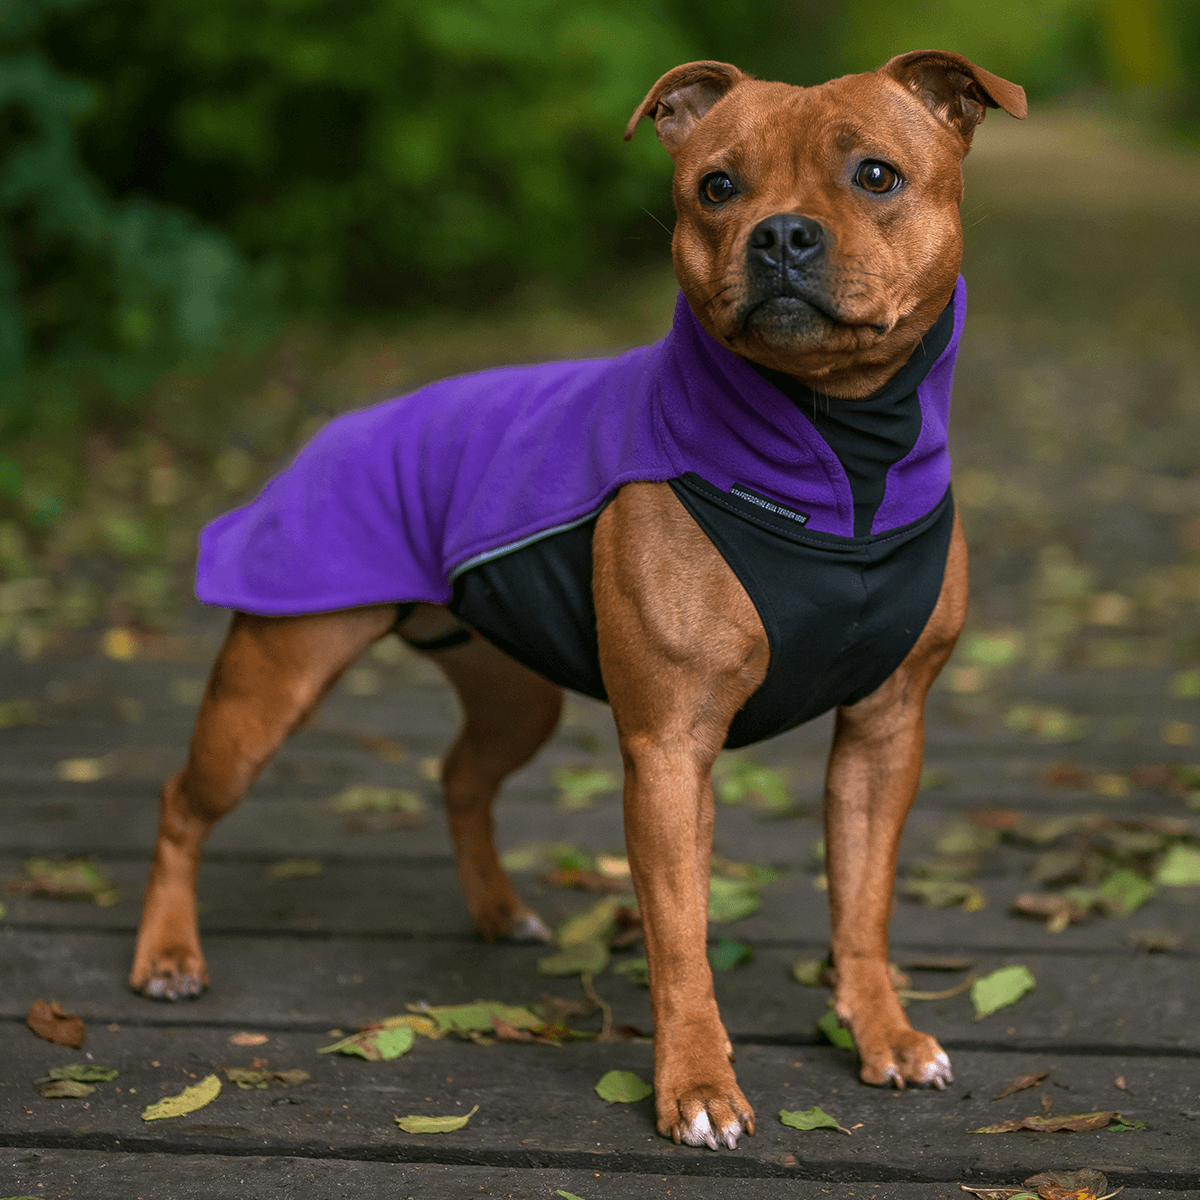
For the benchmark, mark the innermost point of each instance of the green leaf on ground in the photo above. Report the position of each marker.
(835, 1031)
(578, 787)
(1124, 892)
(465, 1019)
(1180, 867)
(622, 1087)
(188, 1101)
(636, 970)
(812, 972)
(375, 1045)
(746, 780)
(812, 1118)
(595, 925)
(996, 649)
(295, 868)
(567, 1195)
(729, 899)
(419, 1124)
(74, 879)
(944, 893)
(1124, 1125)
(729, 953)
(575, 959)
(1000, 989)
(248, 1079)
(365, 797)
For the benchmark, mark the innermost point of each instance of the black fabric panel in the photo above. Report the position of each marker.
(840, 613)
(872, 434)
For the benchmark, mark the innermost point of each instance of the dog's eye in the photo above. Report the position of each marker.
(717, 188)
(876, 177)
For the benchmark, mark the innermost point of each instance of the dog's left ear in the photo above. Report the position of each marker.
(681, 97)
(954, 89)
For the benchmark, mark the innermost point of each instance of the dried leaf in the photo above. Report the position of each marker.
(64, 1089)
(295, 868)
(622, 1087)
(248, 1039)
(1000, 989)
(75, 879)
(82, 1073)
(419, 1124)
(188, 1101)
(595, 882)
(375, 1045)
(1157, 941)
(1060, 910)
(812, 1118)
(1075, 1123)
(1088, 1184)
(835, 1031)
(1019, 1083)
(50, 1022)
(729, 953)
(425, 1027)
(247, 1078)
(367, 798)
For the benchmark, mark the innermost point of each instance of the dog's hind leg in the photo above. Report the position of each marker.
(508, 713)
(874, 772)
(270, 675)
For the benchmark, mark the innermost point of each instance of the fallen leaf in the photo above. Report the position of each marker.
(1045, 721)
(65, 1089)
(745, 780)
(944, 893)
(1000, 1193)
(999, 648)
(1180, 867)
(622, 1087)
(729, 953)
(83, 770)
(1069, 775)
(1156, 941)
(365, 797)
(381, 747)
(1075, 1123)
(1019, 1083)
(595, 882)
(465, 1019)
(1000, 989)
(17, 712)
(575, 959)
(812, 1118)
(375, 1045)
(247, 1078)
(1047, 1103)
(425, 1027)
(248, 1039)
(1088, 1184)
(119, 644)
(1124, 1125)
(82, 1073)
(908, 993)
(637, 970)
(1119, 1082)
(567, 1195)
(1124, 892)
(812, 972)
(295, 868)
(1059, 910)
(578, 787)
(729, 899)
(419, 1124)
(50, 1022)
(72, 879)
(188, 1101)
(965, 838)
(835, 1031)
(594, 925)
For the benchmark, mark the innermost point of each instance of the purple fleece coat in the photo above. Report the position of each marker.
(390, 503)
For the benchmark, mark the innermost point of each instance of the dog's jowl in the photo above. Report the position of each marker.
(724, 535)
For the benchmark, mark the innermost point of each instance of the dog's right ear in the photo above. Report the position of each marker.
(681, 97)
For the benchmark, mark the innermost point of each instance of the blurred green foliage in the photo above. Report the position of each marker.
(167, 167)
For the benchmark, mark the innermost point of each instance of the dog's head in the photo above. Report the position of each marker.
(818, 229)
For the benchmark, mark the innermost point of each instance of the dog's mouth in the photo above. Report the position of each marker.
(790, 316)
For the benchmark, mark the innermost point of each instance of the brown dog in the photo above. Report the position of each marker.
(818, 236)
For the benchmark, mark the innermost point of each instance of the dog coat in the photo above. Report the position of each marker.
(481, 492)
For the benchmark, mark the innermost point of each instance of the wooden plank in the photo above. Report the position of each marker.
(1081, 1000)
(537, 1108)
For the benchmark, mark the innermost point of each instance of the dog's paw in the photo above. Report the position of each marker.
(912, 1057)
(172, 985)
(710, 1120)
(528, 928)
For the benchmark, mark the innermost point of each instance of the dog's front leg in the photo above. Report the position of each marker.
(874, 772)
(681, 648)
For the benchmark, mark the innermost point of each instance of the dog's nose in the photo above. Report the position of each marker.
(787, 239)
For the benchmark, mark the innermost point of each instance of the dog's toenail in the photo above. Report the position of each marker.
(700, 1132)
(730, 1135)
